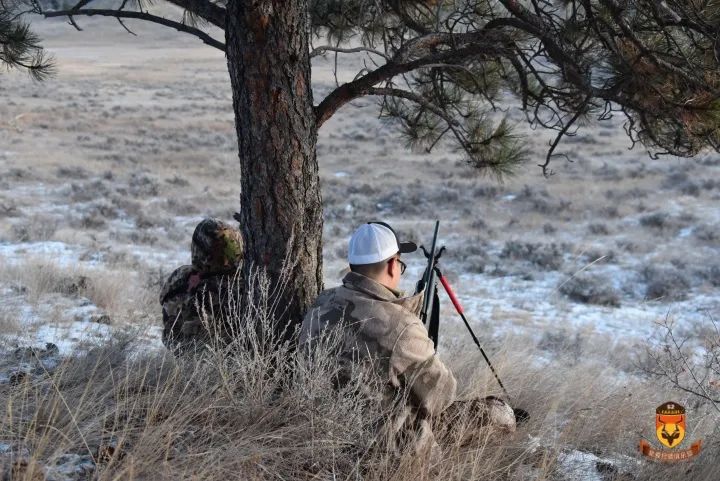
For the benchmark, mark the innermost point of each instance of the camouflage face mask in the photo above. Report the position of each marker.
(232, 247)
(216, 247)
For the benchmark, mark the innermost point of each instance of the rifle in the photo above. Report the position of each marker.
(431, 302)
(430, 312)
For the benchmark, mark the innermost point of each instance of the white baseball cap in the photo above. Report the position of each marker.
(374, 242)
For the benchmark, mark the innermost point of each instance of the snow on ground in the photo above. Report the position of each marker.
(63, 254)
(122, 174)
(72, 324)
(536, 306)
(106, 169)
(579, 466)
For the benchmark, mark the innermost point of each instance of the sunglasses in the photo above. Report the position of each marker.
(403, 266)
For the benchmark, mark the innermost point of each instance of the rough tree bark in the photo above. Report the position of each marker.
(280, 202)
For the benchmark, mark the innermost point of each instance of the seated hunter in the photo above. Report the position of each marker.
(194, 298)
(382, 330)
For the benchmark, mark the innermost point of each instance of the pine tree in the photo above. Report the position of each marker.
(439, 68)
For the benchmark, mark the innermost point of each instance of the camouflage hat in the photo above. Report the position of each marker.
(216, 246)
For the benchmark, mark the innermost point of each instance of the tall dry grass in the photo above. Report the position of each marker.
(257, 409)
(122, 294)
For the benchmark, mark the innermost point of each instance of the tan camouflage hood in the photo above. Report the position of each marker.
(216, 247)
(382, 332)
(178, 283)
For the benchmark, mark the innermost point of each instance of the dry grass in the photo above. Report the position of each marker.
(258, 410)
(121, 294)
(37, 277)
(8, 322)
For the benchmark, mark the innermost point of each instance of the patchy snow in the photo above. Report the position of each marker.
(70, 467)
(63, 254)
(68, 337)
(685, 232)
(576, 465)
(536, 304)
(69, 323)
(579, 466)
(533, 304)
(66, 321)
(153, 257)
(67, 255)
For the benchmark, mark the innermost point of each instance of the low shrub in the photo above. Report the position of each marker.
(707, 233)
(665, 283)
(562, 343)
(35, 228)
(549, 228)
(657, 220)
(591, 289)
(711, 274)
(545, 256)
(598, 229)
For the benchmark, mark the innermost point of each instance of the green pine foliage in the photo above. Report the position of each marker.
(568, 62)
(19, 46)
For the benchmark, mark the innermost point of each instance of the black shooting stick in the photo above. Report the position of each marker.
(460, 310)
(430, 314)
(429, 281)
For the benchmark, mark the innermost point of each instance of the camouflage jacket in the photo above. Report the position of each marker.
(191, 303)
(382, 330)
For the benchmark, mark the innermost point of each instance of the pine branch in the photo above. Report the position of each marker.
(204, 9)
(562, 133)
(316, 52)
(493, 45)
(120, 14)
(19, 46)
(404, 94)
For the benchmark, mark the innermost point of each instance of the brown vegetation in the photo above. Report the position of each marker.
(259, 410)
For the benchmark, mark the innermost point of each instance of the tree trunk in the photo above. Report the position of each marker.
(280, 203)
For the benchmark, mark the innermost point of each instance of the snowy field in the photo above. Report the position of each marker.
(106, 168)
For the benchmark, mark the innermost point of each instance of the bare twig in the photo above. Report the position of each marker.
(329, 48)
